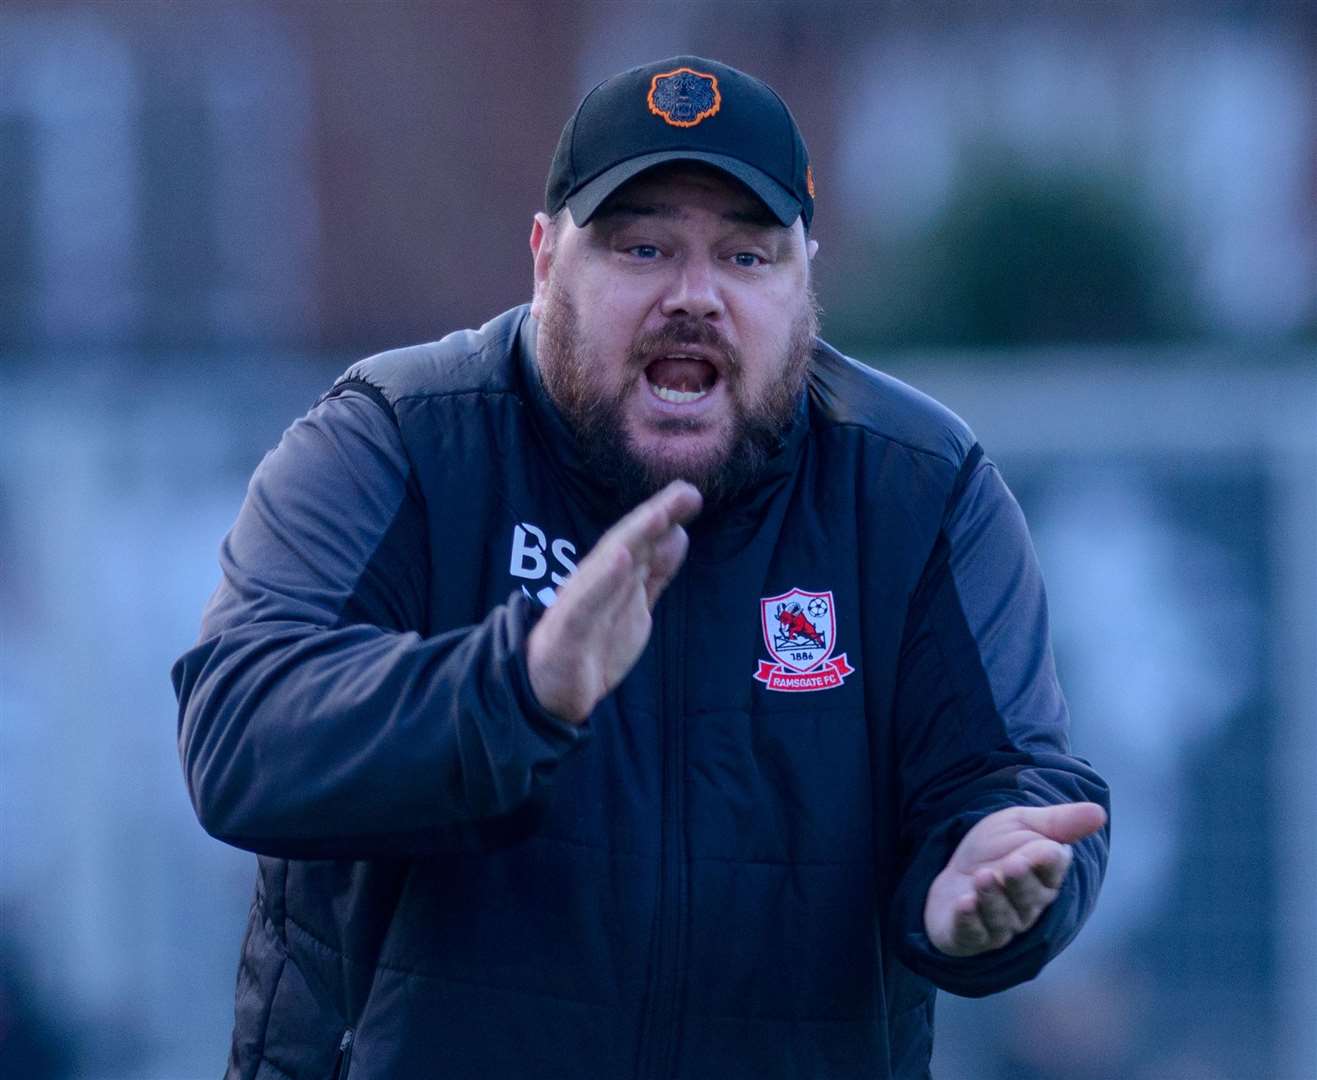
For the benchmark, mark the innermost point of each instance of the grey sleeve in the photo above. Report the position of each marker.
(316, 718)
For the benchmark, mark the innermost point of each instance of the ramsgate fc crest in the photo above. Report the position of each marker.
(800, 632)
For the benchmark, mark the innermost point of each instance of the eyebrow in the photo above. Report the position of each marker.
(760, 217)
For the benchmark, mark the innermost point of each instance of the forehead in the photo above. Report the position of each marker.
(688, 186)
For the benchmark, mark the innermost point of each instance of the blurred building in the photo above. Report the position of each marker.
(341, 175)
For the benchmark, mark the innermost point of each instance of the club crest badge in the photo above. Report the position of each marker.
(684, 97)
(800, 633)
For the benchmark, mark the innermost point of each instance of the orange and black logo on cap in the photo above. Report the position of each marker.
(684, 97)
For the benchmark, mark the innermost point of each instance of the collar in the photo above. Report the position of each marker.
(714, 536)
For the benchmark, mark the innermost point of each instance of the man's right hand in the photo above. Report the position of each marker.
(584, 644)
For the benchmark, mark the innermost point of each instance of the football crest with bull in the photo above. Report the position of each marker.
(800, 633)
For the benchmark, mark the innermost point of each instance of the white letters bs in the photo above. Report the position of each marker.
(530, 560)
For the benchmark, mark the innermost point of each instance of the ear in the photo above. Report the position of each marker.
(811, 248)
(541, 249)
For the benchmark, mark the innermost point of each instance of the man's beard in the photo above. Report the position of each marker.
(596, 414)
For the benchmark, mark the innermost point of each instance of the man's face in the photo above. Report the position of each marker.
(674, 330)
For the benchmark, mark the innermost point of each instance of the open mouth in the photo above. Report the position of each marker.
(680, 378)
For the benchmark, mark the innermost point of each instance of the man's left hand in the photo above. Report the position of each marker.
(1003, 875)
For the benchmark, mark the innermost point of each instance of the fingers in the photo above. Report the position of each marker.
(1067, 823)
(648, 541)
(968, 934)
(1042, 860)
(653, 536)
(682, 500)
(587, 641)
(999, 917)
(994, 904)
(1013, 894)
(669, 554)
(1004, 874)
(601, 585)
(643, 527)
(1004, 904)
(1032, 876)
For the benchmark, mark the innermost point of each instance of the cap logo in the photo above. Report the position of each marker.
(684, 97)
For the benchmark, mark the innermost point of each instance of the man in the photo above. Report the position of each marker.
(635, 687)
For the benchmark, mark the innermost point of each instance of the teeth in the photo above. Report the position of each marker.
(677, 397)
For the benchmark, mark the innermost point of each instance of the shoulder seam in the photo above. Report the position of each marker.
(367, 389)
(473, 392)
(434, 350)
(411, 481)
(925, 451)
(967, 469)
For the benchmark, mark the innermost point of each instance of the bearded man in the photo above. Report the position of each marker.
(636, 687)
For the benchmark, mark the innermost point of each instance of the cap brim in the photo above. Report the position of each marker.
(585, 201)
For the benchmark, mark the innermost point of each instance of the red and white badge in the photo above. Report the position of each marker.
(800, 632)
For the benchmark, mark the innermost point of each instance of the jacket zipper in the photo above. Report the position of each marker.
(661, 1025)
(344, 1057)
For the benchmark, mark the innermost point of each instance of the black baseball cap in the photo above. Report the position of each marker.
(684, 108)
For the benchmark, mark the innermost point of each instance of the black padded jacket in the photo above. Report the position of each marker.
(721, 874)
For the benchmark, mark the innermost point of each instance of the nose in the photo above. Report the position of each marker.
(693, 291)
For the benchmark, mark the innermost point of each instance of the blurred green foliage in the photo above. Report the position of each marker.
(1019, 257)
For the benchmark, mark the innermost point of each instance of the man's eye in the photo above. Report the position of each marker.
(747, 260)
(643, 251)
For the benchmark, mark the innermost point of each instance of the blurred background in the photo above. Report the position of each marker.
(1090, 228)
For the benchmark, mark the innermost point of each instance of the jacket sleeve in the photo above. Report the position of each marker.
(983, 726)
(315, 719)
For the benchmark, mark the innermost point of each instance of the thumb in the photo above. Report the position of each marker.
(1067, 823)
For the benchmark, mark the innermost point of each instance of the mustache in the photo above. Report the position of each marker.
(685, 331)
